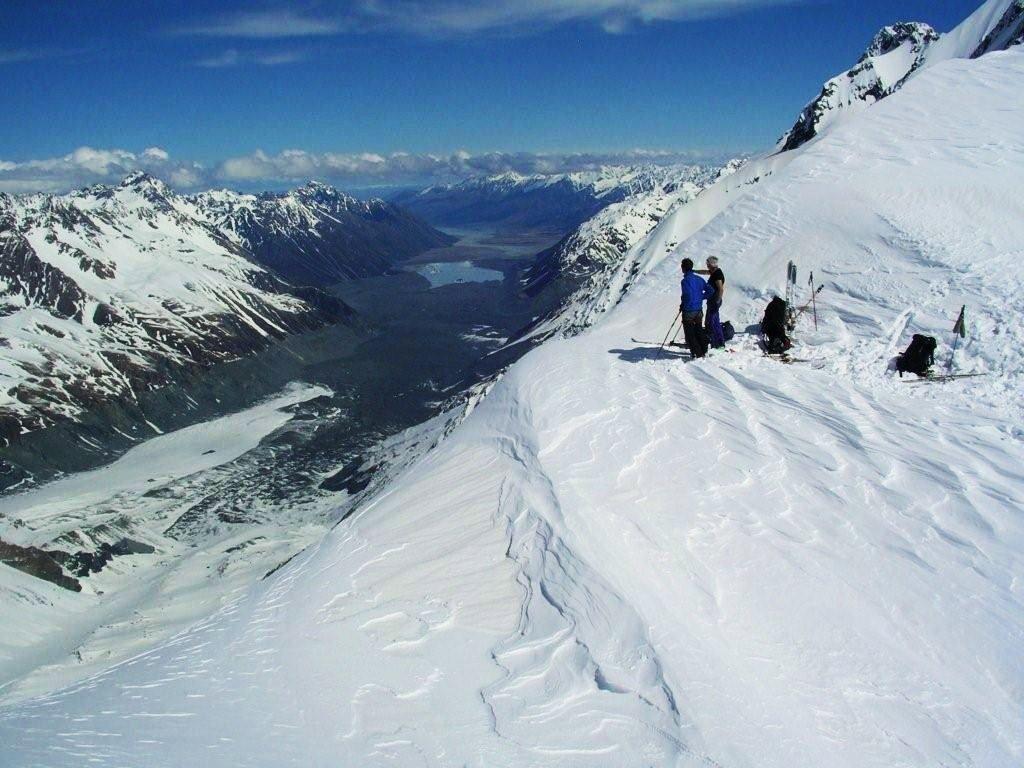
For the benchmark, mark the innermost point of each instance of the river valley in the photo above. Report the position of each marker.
(288, 439)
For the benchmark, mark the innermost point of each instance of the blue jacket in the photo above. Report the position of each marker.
(694, 289)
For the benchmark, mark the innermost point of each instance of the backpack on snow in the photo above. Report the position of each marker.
(728, 331)
(919, 357)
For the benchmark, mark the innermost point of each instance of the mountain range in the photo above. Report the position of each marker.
(318, 235)
(580, 270)
(553, 202)
(620, 556)
(107, 292)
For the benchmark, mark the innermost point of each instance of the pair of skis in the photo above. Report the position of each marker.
(812, 303)
(940, 377)
(782, 357)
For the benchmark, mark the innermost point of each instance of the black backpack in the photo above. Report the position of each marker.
(728, 331)
(775, 312)
(919, 357)
(773, 327)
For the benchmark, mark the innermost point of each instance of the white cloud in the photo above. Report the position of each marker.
(20, 54)
(264, 25)
(279, 58)
(445, 18)
(87, 165)
(233, 58)
(259, 170)
(17, 55)
(156, 154)
(228, 58)
(296, 165)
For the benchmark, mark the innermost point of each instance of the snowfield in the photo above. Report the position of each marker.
(618, 560)
(53, 636)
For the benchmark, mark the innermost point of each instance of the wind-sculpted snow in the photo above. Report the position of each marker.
(619, 559)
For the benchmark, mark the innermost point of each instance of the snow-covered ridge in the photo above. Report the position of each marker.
(631, 178)
(555, 201)
(317, 234)
(895, 54)
(109, 291)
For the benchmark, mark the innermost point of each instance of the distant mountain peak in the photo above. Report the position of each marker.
(899, 51)
(140, 180)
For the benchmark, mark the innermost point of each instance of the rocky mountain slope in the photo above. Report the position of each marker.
(558, 202)
(316, 235)
(898, 52)
(111, 291)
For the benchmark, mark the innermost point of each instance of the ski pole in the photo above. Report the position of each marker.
(814, 303)
(807, 306)
(959, 331)
(663, 343)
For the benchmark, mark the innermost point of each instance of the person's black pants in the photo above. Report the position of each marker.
(693, 330)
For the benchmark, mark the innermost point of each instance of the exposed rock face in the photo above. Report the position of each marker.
(41, 563)
(894, 53)
(110, 291)
(316, 235)
(604, 239)
(1009, 30)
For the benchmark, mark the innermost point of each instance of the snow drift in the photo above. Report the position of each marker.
(621, 560)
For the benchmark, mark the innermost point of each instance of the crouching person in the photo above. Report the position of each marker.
(773, 327)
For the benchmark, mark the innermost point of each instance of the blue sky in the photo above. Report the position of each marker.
(209, 83)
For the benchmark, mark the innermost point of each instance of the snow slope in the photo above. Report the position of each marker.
(55, 636)
(897, 53)
(616, 560)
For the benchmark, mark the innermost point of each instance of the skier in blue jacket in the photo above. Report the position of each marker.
(693, 291)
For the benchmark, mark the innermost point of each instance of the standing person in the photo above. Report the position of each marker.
(713, 322)
(693, 291)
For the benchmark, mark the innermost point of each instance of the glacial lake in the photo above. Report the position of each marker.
(448, 272)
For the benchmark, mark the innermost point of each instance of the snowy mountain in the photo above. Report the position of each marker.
(581, 270)
(112, 291)
(895, 54)
(540, 201)
(618, 560)
(316, 235)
